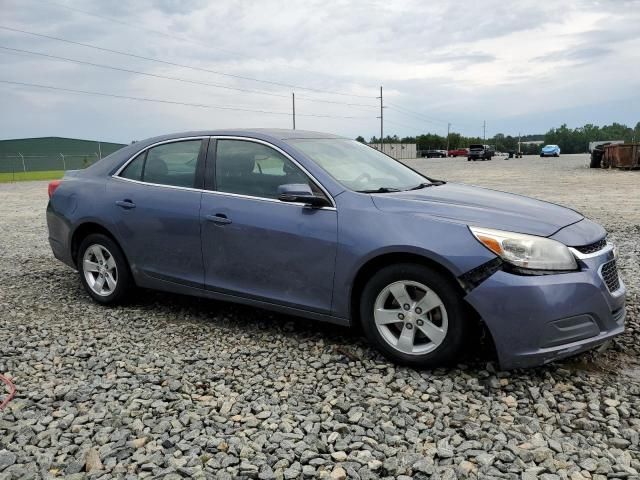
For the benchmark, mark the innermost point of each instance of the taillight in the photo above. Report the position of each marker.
(52, 186)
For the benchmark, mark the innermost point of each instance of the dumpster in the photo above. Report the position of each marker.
(625, 156)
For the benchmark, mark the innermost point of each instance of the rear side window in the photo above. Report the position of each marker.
(254, 169)
(171, 164)
(133, 171)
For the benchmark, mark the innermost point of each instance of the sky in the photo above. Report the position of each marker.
(520, 66)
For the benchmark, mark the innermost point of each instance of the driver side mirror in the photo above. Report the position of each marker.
(301, 193)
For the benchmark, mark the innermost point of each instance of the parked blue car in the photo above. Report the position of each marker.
(324, 227)
(550, 151)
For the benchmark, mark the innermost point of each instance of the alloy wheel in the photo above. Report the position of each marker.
(100, 270)
(411, 317)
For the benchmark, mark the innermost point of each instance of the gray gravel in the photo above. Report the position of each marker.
(174, 387)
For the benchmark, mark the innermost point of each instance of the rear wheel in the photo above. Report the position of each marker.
(104, 271)
(414, 316)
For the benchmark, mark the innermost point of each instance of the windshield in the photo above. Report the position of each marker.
(357, 166)
(476, 147)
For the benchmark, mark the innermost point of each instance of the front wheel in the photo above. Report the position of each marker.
(414, 315)
(104, 271)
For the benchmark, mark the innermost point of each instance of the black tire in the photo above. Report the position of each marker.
(459, 329)
(468, 159)
(595, 162)
(124, 281)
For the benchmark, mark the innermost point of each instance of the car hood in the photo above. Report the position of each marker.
(480, 207)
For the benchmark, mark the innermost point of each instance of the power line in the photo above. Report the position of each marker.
(174, 64)
(137, 72)
(403, 125)
(415, 115)
(170, 102)
(138, 27)
(177, 79)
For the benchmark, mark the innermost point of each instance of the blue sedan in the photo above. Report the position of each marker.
(324, 227)
(550, 151)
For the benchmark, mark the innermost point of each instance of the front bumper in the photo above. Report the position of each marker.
(538, 319)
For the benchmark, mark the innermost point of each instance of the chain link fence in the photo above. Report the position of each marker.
(18, 166)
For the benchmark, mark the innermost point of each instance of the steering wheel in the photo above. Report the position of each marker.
(362, 177)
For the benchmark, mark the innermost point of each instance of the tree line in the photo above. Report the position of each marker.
(570, 140)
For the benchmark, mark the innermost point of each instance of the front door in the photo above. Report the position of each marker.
(257, 246)
(156, 210)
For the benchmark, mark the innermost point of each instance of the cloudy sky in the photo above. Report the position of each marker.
(521, 66)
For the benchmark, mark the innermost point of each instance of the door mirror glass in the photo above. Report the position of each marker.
(300, 193)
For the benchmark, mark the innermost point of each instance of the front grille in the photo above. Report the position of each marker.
(592, 248)
(610, 276)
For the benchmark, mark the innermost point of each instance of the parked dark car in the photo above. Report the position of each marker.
(434, 153)
(480, 152)
(327, 228)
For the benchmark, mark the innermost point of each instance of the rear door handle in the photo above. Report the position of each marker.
(126, 204)
(218, 218)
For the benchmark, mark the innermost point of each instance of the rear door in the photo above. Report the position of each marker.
(155, 204)
(257, 246)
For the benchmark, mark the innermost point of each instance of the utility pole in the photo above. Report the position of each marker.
(293, 101)
(484, 131)
(64, 165)
(518, 142)
(381, 122)
(448, 127)
(99, 151)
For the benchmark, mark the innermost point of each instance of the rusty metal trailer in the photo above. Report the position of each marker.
(625, 156)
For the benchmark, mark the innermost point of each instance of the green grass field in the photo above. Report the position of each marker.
(26, 176)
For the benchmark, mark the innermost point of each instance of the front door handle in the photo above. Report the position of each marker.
(126, 204)
(218, 218)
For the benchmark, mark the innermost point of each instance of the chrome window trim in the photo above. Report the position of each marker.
(173, 140)
(116, 174)
(606, 249)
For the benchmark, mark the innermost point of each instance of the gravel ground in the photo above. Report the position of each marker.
(174, 387)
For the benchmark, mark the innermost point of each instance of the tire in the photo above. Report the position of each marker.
(448, 321)
(541, 156)
(595, 161)
(109, 282)
(468, 159)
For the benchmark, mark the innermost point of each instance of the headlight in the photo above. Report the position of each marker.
(526, 251)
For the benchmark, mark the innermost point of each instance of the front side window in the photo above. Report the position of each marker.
(254, 169)
(358, 167)
(171, 164)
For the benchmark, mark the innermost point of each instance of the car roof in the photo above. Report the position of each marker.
(260, 133)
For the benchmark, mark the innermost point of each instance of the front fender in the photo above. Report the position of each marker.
(365, 233)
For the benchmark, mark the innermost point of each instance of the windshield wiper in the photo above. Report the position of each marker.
(381, 190)
(432, 183)
(422, 185)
